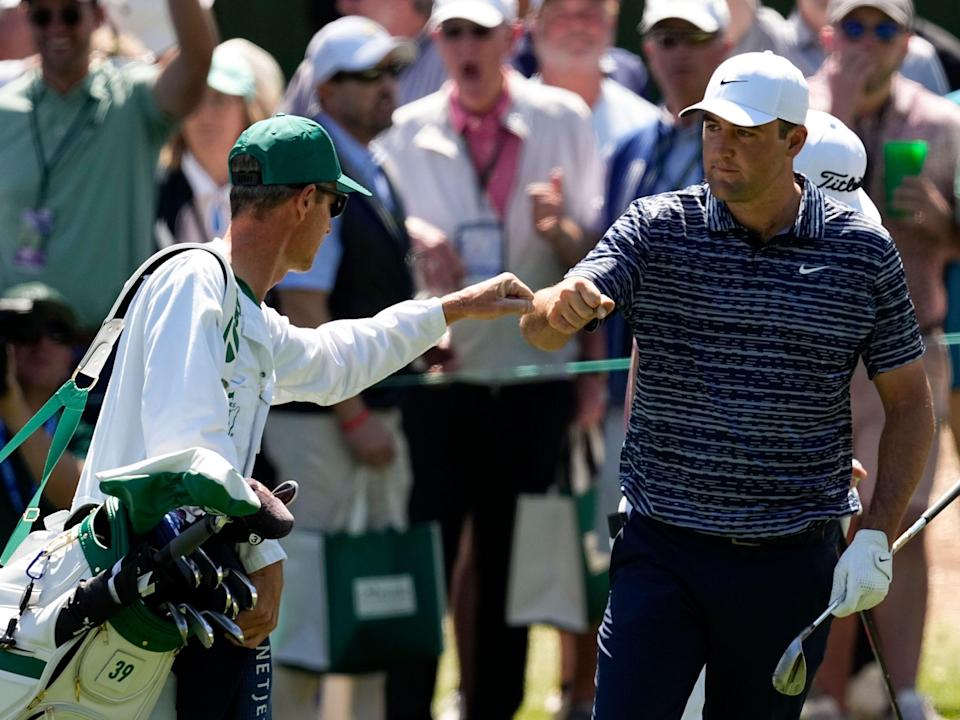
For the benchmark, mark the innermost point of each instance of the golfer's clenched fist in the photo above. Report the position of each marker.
(562, 310)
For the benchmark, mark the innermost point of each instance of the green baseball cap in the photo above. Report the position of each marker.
(291, 150)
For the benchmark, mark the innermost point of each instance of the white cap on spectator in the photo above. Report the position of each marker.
(755, 88)
(900, 11)
(834, 159)
(708, 15)
(230, 73)
(147, 20)
(487, 13)
(354, 43)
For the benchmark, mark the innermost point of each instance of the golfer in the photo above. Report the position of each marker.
(189, 373)
(751, 297)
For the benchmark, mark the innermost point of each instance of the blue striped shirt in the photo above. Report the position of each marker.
(740, 423)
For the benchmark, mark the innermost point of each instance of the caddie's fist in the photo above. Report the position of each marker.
(502, 295)
(863, 573)
(574, 303)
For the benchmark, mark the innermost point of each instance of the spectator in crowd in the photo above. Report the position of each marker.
(952, 321)
(149, 22)
(859, 83)
(84, 137)
(37, 330)
(798, 38)
(355, 446)
(722, 501)
(684, 43)
(194, 194)
(617, 63)
(404, 19)
(482, 162)
(947, 46)
(16, 44)
(571, 38)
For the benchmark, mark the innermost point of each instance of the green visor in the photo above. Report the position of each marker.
(196, 476)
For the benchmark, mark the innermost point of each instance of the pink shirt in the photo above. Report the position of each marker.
(494, 149)
(912, 113)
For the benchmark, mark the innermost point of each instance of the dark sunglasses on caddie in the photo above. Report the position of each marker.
(884, 31)
(669, 39)
(339, 202)
(454, 31)
(372, 75)
(42, 17)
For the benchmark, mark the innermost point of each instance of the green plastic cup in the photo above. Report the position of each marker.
(900, 159)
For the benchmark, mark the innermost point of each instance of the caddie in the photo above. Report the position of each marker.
(190, 373)
(751, 298)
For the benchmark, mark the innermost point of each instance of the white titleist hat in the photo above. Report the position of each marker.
(488, 13)
(351, 44)
(708, 15)
(834, 159)
(755, 88)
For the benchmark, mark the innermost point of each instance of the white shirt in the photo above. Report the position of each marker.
(211, 200)
(436, 181)
(166, 392)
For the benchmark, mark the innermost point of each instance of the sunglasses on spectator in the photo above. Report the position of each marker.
(42, 17)
(456, 31)
(339, 203)
(33, 333)
(884, 32)
(669, 39)
(370, 76)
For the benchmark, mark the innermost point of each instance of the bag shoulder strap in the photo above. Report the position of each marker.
(72, 397)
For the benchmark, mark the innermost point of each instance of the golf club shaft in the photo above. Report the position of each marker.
(873, 637)
(948, 497)
(944, 500)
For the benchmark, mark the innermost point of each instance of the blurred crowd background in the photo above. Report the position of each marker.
(494, 136)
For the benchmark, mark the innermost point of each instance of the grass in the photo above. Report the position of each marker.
(940, 669)
(939, 672)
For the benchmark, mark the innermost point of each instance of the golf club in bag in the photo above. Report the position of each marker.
(790, 675)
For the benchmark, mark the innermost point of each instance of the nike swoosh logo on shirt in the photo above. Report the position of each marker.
(804, 270)
(727, 82)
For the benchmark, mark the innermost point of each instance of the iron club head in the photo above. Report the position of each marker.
(244, 591)
(211, 573)
(198, 625)
(178, 620)
(188, 571)
(226, 625)
(790, 675)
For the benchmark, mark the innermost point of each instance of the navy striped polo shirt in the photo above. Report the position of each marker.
(740, 423)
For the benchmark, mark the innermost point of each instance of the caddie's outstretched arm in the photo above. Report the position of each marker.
(562, 310)
(487, 300)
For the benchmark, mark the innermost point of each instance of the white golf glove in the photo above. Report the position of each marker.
(863, 573)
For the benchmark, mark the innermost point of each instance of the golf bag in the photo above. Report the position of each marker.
(90, 608)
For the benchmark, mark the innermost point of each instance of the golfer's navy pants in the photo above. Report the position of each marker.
(681, 599)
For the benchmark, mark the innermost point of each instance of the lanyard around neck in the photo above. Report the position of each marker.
(47, 166)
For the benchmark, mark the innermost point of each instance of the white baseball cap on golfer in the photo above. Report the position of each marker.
(487, 13)
(354, 43)
(754, 89)
(708, 15)
(833, 158)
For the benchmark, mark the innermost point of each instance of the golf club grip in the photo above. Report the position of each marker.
(190, 539)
